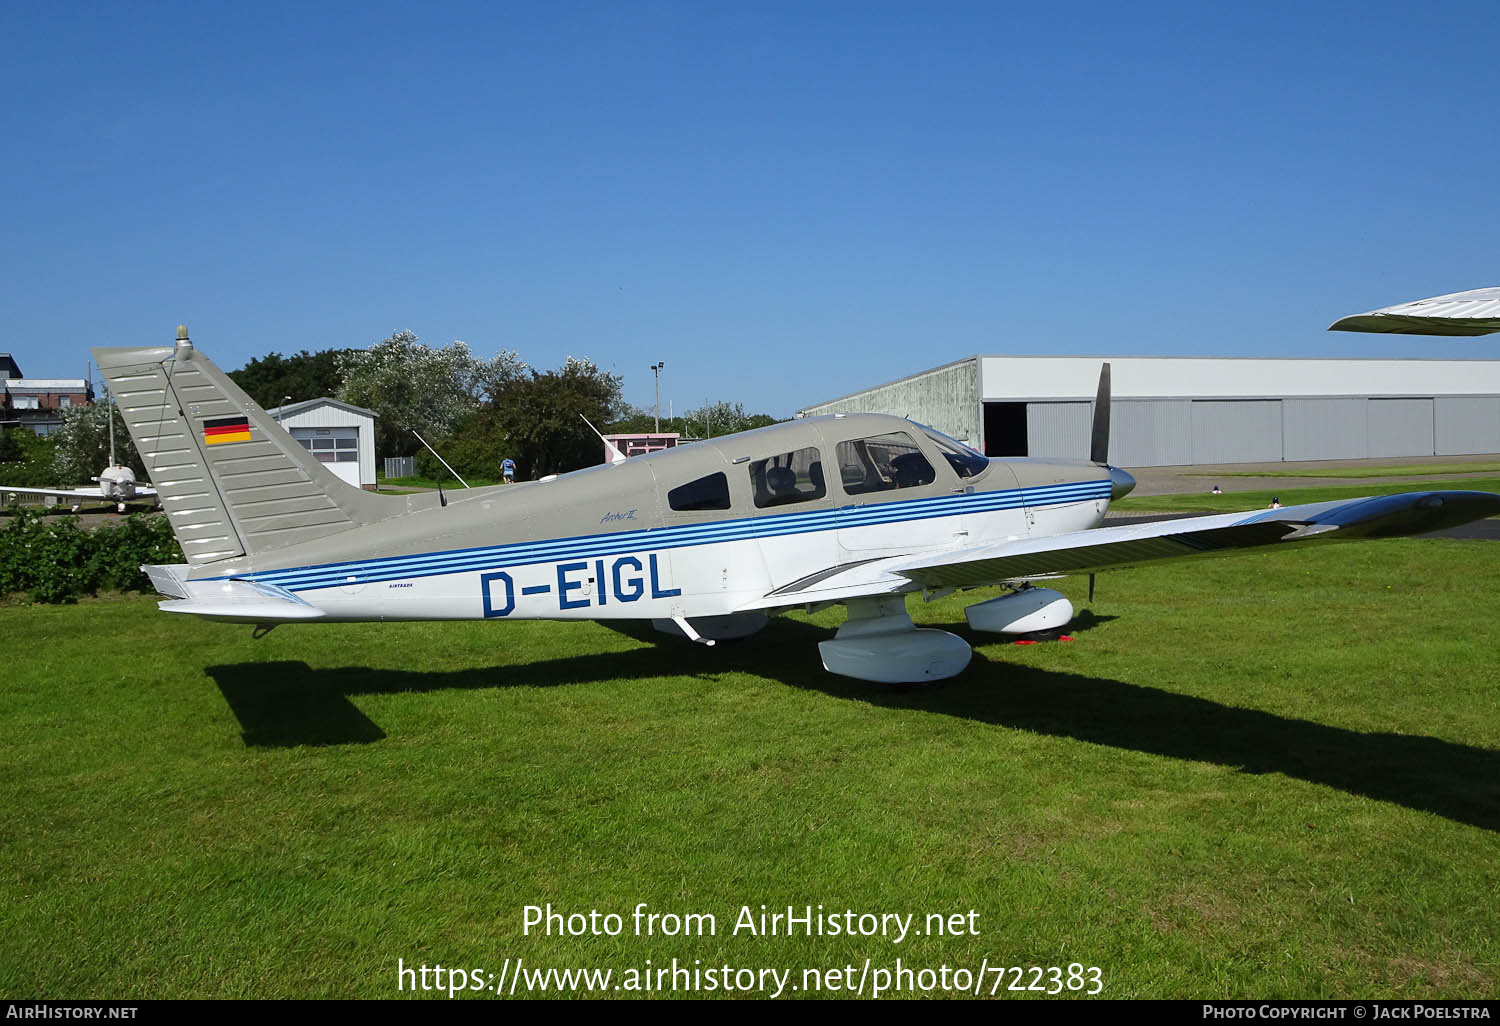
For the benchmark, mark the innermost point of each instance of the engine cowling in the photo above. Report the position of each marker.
(117, 483)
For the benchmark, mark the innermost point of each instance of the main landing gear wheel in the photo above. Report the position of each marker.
(879, 643)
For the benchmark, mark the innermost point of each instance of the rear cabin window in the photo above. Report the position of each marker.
(882, 463)
(789, 478)
(711, 492)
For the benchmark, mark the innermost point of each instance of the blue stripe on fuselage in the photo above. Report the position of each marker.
(431, 564)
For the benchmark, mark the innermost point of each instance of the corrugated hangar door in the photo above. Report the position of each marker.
(1324, 429)
(1400, 427)
(1059, 429)
(1151, 433)
(1236, 430)
(336, 447)
(1466, 424)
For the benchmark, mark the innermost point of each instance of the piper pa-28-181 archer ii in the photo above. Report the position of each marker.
(705, 540)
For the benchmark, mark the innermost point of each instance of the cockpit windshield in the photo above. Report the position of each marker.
(964, 461)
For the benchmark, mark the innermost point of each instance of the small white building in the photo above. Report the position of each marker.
(336, 433)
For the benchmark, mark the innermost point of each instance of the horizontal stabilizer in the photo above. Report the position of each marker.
(1476, 312)
(234, 601)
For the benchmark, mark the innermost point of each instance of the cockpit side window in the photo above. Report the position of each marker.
(791, 477)
(964, 461)
(711, 492)
(883, 462)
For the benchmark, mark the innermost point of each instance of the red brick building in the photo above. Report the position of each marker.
(38, 403)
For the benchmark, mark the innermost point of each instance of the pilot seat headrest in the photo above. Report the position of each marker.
(781, 480)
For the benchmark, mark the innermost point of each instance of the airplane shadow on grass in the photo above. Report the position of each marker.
(289, 703)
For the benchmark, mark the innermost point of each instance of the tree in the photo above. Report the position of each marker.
(473, 450)
(713, 419)
(537, 418)
(271, 378)
(82, 444)
(632, 420)
(413, 387)
(722, 417)
(26, 458)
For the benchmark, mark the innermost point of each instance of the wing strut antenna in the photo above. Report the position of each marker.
(440, 460)
(615, 455)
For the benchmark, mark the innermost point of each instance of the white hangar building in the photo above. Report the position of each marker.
(336, 433)
(1173, 411)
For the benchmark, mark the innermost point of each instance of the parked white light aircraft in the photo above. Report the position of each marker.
(704, 540)
(117, 483)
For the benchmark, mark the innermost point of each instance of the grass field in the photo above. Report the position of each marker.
(1229, 502)
(419, 482)
(1271, 775)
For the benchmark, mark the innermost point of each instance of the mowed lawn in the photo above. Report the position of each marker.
(1276, 774)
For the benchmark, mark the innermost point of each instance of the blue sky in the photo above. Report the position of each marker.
(785, 202)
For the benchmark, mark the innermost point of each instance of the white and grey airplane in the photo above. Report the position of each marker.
(116, 483)
(705, 540)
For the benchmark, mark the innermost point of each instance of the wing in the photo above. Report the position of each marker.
(1104, 548)
(1476, 312)
(66, 493)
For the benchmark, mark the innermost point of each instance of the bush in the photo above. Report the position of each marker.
(53, 559)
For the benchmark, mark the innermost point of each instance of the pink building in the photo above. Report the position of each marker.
(639, 445)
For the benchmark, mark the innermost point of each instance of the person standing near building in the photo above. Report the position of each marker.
(508, 470)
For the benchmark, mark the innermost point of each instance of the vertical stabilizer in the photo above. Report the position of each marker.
(232, 481)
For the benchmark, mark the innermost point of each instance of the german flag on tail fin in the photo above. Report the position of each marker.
(226, 429)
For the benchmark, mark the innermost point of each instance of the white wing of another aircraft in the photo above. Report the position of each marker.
(1476, 312)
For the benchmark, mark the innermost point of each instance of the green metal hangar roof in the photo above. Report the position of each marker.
(1172, 411)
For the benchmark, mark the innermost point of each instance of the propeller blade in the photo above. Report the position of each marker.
(1099, 450)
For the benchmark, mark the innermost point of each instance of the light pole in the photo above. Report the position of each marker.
(279, 410)
(656, 369)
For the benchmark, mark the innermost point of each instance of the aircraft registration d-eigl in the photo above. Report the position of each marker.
(705, 540)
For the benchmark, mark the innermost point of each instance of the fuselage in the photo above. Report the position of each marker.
(693, 532)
